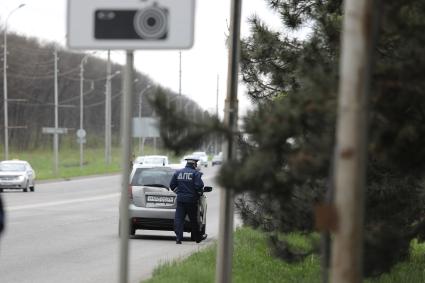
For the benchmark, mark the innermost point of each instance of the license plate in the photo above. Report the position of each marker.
(161, 199)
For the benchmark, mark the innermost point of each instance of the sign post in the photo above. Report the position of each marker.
(153, 24)
(81, 139)
(55, 132)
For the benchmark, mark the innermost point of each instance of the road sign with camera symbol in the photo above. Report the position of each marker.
(131, 24)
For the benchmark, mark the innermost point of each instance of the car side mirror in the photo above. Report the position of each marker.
(207, 189)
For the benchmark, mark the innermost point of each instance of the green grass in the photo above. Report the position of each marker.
(252, 262)
(411, 271)
(69, 161)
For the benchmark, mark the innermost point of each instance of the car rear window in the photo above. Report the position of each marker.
(12, 167)
(152, 176)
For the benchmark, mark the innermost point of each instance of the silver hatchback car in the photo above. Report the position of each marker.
(17, 175)
(152, 202)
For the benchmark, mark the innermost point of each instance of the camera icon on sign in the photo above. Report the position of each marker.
(148, 23)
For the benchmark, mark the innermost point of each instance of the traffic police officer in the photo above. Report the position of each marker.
(188, 186)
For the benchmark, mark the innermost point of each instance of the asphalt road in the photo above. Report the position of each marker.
(67, 231)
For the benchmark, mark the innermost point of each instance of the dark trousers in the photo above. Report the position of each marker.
(183, 209)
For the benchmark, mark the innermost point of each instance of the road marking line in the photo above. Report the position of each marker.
(55, 203)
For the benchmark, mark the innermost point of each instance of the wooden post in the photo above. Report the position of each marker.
(350, 152)
(223, 273)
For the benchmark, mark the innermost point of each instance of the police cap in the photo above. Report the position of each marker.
(191, 159)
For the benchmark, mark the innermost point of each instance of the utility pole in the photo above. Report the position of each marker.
(56, 134)
(180, 72)
(5, 98)
(5, 106)
(81, 141)
(216, 113)
(350, 153)
(140, 117)
(141, 144)
(180, 107)
(216, 99)
(108, 109)
(225, 236)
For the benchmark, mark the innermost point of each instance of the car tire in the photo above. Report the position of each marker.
(1, 190)
(203, 229)
(201, 232)
(32, 189)
(26, 188)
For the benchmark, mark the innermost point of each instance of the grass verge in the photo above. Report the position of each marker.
(252, 262)
(69, 162)
(411, 271)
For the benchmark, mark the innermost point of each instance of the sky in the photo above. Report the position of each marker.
(200, 65)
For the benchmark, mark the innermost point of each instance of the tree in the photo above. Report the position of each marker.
(294, 83)
(287, 142)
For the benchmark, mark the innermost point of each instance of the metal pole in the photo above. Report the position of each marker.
(216, 113)
(180, 81)
(6, 122)
(225, 240)
(180, 72)
(154, 138)
(81, 107)
(56, 135)
(140, 117)
(108, 111)
(125, 164)
(216, 99)
(5, 104)
(350, 153)
(140, 113)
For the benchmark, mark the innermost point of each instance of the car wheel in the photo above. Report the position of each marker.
(32, 188)
(1, 190)
(203, 229)
(26, 188)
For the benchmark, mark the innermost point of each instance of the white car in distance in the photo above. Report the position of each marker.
(152, 160)
(203, 158)
(16, 175)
